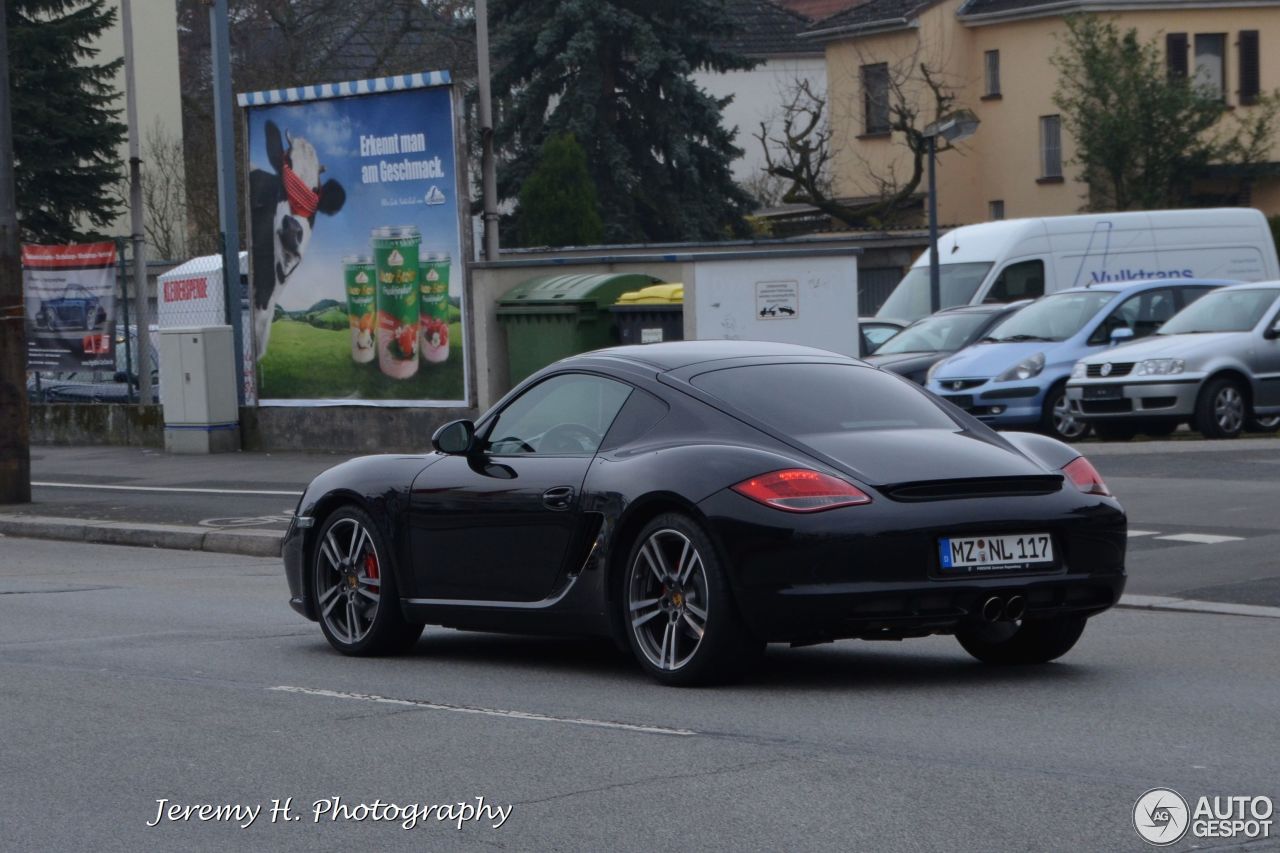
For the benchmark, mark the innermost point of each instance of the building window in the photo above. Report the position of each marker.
(1250, 75)
(875, 98)
(992, 59)
(995, 209)
(1211, 54)
(1175, 49)
(1050, 147)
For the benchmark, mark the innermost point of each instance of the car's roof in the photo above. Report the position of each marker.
(1122, 286)
(677, 354)
(1256, 285)
(984, 307)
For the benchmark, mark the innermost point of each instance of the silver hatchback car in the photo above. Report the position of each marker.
(1216, 364)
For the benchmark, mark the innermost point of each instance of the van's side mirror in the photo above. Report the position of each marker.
(456, 438)
(1120, 335)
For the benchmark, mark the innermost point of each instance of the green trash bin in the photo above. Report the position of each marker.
(552, 317)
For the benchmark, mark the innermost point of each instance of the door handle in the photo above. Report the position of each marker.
(558, 497)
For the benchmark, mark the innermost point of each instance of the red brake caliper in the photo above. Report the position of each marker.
(371, 566)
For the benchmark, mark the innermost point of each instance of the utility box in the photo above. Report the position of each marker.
(198, 389)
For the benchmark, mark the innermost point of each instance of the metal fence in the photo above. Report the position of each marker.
(186, 294)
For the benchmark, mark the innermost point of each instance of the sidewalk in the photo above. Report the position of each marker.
(236, 503)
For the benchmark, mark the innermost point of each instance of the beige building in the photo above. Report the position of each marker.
(995, 55)
(155, 42)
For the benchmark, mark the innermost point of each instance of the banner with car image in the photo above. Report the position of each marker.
(356, 250)
(70, 306)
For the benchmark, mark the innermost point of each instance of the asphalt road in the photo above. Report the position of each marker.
(129, 676)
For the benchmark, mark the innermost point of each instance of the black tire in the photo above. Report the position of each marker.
(1221, 409)
(1055, 421)
(1016, 644)
(656, 599)
(1262, 425)
(1108, 431)
(343, 581)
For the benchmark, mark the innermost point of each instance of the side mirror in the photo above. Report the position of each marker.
(456, 438)
(1274, 332)
(1120, 335)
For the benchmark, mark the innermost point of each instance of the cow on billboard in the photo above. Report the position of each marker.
(295, 193)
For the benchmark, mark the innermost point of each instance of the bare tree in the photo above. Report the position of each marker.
(801, 151)
(164, 192)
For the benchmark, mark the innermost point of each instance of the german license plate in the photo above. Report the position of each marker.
(974, 554)
(1103, 392)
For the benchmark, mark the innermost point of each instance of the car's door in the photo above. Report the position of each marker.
(1143, 312)
(499, 524)
(1265, 362)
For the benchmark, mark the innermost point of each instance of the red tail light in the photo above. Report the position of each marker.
(1086, 477)
(801, 490)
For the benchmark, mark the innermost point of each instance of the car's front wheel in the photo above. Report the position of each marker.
(1221, 409)
(681, 621)
(1057, 418)
(357, 600)
(1027, 642)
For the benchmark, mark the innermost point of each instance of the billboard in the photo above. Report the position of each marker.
(69, 294)
(356, 252)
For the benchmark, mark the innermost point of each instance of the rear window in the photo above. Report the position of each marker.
(814, 399)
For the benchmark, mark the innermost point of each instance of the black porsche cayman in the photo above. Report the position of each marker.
(697, 500)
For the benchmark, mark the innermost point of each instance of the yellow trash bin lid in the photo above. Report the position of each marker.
(654, 294)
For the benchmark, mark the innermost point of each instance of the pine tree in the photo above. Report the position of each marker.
(616, 74)
(66, 128)
(558, 205)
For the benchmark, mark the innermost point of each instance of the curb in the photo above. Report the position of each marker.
(248, 543)
(1190, 605)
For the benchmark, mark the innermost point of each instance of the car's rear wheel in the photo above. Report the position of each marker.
(1057, 419)
(1027, 642)
(1114, 432)
(1221, 409)
(1270, 424)
(357, 600)
(681, 621)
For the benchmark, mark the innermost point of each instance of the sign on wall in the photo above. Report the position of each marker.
(70, 306)
(356, 263)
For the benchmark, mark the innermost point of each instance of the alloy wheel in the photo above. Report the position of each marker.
(1228, 409)
(667, 599)
(348, 580)
(1065, 424)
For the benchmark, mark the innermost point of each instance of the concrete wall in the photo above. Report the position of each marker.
(96, 424)
(1002, 160)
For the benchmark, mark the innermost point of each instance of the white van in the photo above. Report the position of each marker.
(1025, 258)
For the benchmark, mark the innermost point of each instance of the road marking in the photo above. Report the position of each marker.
(487, 712)
(1133, 533)
(1200, 538)
(193, 491)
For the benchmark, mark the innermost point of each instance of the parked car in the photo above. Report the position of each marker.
(1026, 258)
(1216, 364)
(925, 342)
(875, 332)
(752, 492)
(77, 308)
(1016, 377)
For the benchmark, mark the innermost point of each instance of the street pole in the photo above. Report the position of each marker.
(15, 436)
(489, 181)
(935, 276)
(228, 214)
(143, 313)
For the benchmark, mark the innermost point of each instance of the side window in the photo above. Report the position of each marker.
(566, 415)
(1023, 280)
(1145, 313)
(1191, 294)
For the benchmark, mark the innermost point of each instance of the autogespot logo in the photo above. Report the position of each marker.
(1160, 816)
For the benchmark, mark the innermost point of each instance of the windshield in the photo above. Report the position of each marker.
(910, 299)
(1052, 318)
(1221, 311)
(815, 399)
(939, 333)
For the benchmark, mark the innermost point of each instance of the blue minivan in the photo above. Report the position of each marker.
(1016, 376)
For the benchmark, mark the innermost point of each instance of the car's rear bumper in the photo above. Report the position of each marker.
(1136, 399)
(873, 571)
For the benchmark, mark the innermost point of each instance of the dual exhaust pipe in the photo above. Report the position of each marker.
(997, 609)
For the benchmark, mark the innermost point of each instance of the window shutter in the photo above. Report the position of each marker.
(1175, 45)
(1250, 74)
